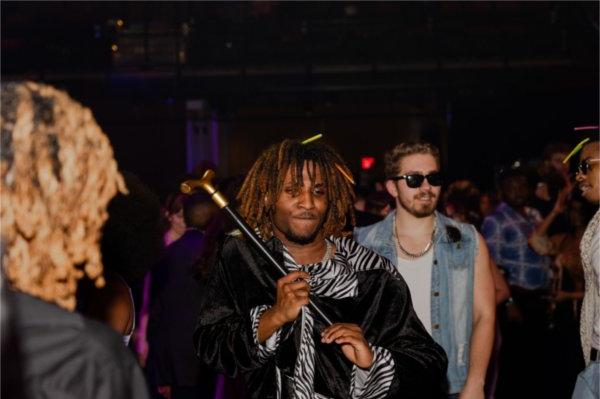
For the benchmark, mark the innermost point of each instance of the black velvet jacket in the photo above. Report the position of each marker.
(242, 280)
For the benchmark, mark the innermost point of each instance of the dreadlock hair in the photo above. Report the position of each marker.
(264, 184)
(57, 176)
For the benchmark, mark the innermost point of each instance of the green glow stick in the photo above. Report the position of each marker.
(575, 150)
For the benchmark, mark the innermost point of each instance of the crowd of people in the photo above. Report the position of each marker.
(413, 286)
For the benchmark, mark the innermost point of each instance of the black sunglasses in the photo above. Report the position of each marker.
(584, 165)
(414, 180)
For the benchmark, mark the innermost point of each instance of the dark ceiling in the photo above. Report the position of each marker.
(278, 52)
(499, 77)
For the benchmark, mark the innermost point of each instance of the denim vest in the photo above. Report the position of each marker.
(455, 247)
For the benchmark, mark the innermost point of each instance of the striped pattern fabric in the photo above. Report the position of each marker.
(334, 278)
(375, 382)
(266, 350)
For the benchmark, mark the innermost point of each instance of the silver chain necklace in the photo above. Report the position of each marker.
(419, 254)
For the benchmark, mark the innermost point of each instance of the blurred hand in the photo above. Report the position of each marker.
(562, 200)
(541, 191)
(353, 343)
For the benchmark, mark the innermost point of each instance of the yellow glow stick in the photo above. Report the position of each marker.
(339, 168)
(348, 177)
(575, 150)
(311, 139)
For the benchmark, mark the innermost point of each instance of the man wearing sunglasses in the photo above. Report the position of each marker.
(588, 179)
(444, 262)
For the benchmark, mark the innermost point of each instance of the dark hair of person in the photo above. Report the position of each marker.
(131, 239)
(377, 201)
(264, 183)
(555, 148)
(198, 210)
(173, 203)
(510, 173)
(393, 157)
(217, 229)
(464, 197)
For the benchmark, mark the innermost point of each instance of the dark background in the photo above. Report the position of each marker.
(489, 82)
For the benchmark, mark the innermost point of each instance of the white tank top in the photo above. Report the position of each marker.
(417, 274)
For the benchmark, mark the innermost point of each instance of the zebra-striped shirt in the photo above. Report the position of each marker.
(334, 278)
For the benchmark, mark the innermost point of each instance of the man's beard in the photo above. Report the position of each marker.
(424, 211)
(303, 239)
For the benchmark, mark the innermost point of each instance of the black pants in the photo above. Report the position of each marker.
(524, 355)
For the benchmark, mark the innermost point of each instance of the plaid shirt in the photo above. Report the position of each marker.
(506, 232)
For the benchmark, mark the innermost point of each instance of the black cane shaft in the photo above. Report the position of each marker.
(319, 312)
(254, 238)
(260, 246)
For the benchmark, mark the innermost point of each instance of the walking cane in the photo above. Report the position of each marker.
(188, 186)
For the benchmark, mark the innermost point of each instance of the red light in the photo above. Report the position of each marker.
(367, 163)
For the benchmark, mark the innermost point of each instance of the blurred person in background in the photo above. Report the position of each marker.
(173, 225)
(130, 245)
(552, 177)
(175, 299)
(57, 176)
(362, 216)
(506, 232)
(173, 218)
(488, 203)
(566, 292)
(379, 203)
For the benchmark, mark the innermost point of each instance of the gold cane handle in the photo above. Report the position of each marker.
(205, 183)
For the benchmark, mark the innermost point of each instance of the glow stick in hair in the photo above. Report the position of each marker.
(311, 139)
(339, 168)
(576, 149)
(346, 175)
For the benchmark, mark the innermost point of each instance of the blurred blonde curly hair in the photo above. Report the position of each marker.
(57, 177)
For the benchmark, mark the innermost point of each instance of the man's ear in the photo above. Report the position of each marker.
(391, 188)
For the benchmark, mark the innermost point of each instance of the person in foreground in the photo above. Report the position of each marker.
(255, 322)
(57, 176)
(445, 263)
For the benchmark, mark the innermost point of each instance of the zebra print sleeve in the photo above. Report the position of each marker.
(375, 382)
(267, 349)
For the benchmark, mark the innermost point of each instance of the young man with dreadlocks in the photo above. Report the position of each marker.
(297, 197)
(57, 177)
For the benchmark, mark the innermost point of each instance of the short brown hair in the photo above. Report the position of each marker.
(395, 155)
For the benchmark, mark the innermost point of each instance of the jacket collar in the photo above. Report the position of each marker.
(385, 231)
